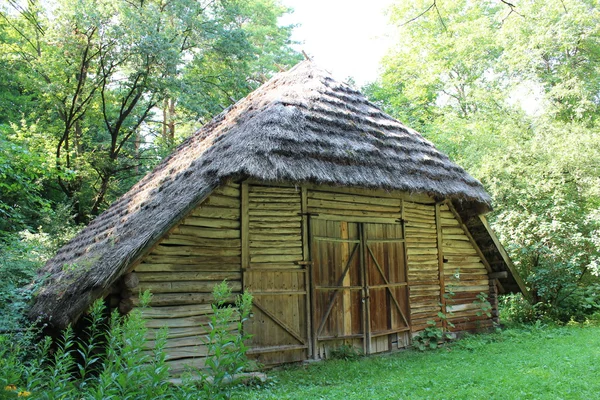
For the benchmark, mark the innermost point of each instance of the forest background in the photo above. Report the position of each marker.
(94, 93)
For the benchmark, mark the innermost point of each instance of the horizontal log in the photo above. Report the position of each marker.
(421, 245)
(209, 233)
(272, 206)
(273, 189)
(257, 267)
(263, 244)
(293, 231)
(212, 223)
(338, 205)
(177, 353)
(409, 205)
(188, 276)
(190, 240)
(186, 341)
(272, 213)
(269, 219)
(459, 251)
(353, 213)
(461, 258)
(423, 226)
(462, 238)
(325, 214)
(275, 238)
(417, 258)
(279, 224)
(453, 231)
(193, 260)
(183, 322)
(195, 251)
(427, 239)
(174, 299)
(216, 200)
(207, 211)
(177, 311)
(354, 199)
(420, 198)
(456, 244)
(186, 286)
(420, 251)
(465, 288)
(412, 220)
(178, 367)
(277, 250)
(274, 258)
(229, 191)
(419, 213)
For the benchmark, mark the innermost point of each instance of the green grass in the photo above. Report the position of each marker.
(518, 363)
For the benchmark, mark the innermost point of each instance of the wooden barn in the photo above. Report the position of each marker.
(345, 225)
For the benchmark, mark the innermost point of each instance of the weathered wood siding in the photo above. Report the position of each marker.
(465, 274)
(275, 273)
(405, 257)
(182, 270)
(423, 269)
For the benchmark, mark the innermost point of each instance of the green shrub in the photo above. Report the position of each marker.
(226, 357)
(346, 352)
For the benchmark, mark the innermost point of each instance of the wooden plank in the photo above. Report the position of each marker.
(327, 215)
(188, 276)
(174, 299)
(186, 286)
(353, 213)
(273, 258)
(270, 206)
(194, 260)
(271, 245)
(195, 251)
(177, 311)
(216, 212)
(276, 238)
(277, 219)
(216, 200)
(190, 240)
(296, 250)
(227, 190)
(418, 198)
(354, 198)
(211, 222)
(244, 232)
(337, 205)
(209, 233)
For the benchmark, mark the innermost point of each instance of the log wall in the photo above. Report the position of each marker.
(182, 270)
(258, 238)
(464, 273)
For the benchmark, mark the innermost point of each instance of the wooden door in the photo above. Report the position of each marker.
(386, 284)
(337, 281)
(359, 287)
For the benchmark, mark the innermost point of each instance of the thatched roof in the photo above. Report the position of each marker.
(300, 126)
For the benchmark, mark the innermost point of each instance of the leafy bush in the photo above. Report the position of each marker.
(226, 357)
(431, 337)
(112, 364)
(346, 352)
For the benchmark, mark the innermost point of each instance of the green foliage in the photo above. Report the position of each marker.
(485, 308)
(100, 364)
(345, 352)
(511, 94)
(226, 357)
(82, 81)
(431, 337)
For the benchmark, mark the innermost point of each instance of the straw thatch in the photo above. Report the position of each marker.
(301, 126)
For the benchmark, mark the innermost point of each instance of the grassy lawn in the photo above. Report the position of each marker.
(525, 363)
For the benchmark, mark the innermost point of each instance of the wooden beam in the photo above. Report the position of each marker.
(506, 258)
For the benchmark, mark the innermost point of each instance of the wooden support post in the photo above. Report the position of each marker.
(365, 285)
(306, 257)
(244, 229)
(438, 226)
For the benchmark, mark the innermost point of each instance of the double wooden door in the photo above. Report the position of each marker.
(359, 284)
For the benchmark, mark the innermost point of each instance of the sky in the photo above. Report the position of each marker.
(347, 38)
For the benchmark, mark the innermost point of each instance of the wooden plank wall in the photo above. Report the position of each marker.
(182, 270)
(275, 275)
(422, 258)
(465, 275)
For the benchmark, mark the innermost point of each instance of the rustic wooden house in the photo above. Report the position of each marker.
(345, 225)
